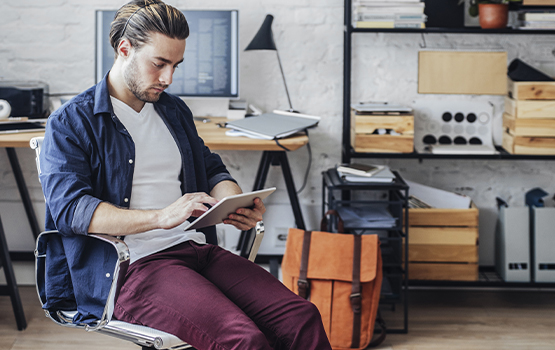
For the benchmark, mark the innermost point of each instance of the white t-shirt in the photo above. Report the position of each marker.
(155, 179)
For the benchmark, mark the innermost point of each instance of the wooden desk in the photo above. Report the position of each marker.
(214, 137)
(21, 140)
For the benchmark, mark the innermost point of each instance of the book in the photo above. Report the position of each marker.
(276, 125)
(388, 24)
(379, 107)
(398, 17)
(359, 169)
(537, 25)
(537, 16)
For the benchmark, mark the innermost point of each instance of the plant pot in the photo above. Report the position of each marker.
(493, 15)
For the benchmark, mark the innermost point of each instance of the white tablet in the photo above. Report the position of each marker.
(226, 206)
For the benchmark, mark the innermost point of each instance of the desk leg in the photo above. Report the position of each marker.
(23, 191)
(11, 284)
(277, 158)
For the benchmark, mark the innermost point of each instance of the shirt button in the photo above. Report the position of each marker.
(126, 200)
(108, 275)
(130, 161)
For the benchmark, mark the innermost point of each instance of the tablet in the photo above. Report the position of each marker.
(226, 206)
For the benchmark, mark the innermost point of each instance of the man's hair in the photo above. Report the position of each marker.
(138, 19)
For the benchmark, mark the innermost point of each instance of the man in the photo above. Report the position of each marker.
(124, 159)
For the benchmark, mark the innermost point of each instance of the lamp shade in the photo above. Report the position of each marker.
(264, 39)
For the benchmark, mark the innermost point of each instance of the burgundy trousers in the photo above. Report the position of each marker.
(214, 299)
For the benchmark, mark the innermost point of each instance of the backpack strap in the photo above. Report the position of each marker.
(303, 283)
(356, 297)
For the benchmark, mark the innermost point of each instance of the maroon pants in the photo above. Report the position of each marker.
(214, 299)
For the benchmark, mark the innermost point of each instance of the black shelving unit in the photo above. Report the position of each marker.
(488, 278)
(393, 239)
(347, 152)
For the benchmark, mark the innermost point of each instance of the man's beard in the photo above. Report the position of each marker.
(134, 82)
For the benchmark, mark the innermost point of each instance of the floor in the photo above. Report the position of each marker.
(438, 319)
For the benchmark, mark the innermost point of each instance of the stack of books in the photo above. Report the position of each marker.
(538, 20)
(388, 14)
(365, 173)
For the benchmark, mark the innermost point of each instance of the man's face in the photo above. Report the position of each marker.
(149, 70)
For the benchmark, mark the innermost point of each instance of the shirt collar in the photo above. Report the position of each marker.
(102, 103)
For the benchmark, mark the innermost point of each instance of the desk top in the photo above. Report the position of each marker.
(214, 137)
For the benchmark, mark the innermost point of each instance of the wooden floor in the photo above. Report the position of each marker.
(439, 319)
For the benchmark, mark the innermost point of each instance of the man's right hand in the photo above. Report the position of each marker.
(190, 204)
(111, 220)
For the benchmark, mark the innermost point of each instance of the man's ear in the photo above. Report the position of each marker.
(124, 48)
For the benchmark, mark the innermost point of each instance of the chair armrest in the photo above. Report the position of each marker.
(118, 277)
(258, 236)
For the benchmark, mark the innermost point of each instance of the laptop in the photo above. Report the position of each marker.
(19, 125)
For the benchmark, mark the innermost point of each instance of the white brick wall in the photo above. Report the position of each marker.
(53, 41)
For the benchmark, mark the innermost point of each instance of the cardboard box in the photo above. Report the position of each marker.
(443, 244)
(462, 72)
(363, 139)
(531, 90)
(528, 145)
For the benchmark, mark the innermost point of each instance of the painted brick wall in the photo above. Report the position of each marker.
(53, 41)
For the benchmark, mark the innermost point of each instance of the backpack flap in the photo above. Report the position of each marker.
(330, 257)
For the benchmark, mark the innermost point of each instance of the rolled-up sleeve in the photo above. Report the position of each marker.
(66, 176)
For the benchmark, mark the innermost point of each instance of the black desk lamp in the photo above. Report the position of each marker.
(264, 40)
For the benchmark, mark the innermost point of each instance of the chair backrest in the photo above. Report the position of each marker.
(36, 144)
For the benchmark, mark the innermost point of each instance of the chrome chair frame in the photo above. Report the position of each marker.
(145, 337)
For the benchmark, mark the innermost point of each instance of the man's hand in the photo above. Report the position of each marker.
(246, 218)
(190, 204)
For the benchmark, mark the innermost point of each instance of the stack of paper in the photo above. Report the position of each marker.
(369, 216)
(388, 14)
(380, 108)
(383, 175)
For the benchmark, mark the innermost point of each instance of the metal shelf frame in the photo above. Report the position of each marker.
(394, 239)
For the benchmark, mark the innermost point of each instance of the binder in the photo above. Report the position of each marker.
(512, 253)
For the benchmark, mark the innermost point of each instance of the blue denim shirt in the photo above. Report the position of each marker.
(88, 157)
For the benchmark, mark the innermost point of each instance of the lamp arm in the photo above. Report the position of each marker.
(284, 82)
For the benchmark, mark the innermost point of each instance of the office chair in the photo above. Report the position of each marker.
(147, 338)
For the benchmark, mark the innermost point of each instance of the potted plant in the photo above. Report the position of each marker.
(492, 13)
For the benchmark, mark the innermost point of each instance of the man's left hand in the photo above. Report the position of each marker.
(246, 218)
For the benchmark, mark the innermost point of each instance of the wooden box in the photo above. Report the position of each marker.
(530, 109)
(363, 138)
(531, 90)
(443, 244)
(528, 126)
(528, 145)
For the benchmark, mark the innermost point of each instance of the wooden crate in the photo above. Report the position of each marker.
(443, 244)
(528, 145)
(363, 139)
(535, 109)
(443, 272)
(531, 90)
(528, 126)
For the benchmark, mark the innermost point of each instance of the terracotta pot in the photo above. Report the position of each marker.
(493, 15)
